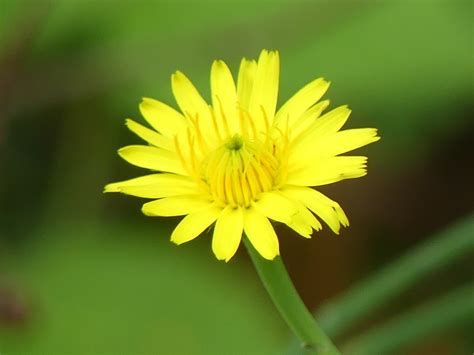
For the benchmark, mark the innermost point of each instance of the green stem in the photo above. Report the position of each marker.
(365, 298)
(451, 310)
(286, 299)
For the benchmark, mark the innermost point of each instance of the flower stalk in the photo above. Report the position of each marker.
(279, 286)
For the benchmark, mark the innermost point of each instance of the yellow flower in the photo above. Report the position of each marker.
(238, 163)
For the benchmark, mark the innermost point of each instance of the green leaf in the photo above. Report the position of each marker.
(377, 291)
(454, 310)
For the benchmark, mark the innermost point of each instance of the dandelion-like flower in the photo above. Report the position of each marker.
(238, 162)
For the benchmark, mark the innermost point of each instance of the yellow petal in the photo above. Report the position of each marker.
(306, 97)
(265, 89)
(155, 186)
(176, 205)
(152, 158)
(152, 137)
(301, 228)
(193, 105)
(332, 121)
(344, 141)
(328, 123)
(304, 221)
(194, 224)
(247, 71)
(224, 96)
(286, 210)
(326, 170)
(309, 218)
(307, 119)
(329, 211)
(276, 207)
(318, 196)
(261, 233)
(228, 233)
(161, 117)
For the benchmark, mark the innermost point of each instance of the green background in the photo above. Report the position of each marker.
(86, 273)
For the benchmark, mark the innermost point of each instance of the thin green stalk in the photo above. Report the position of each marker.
(286, 299)
(365, 298)
(454, 309)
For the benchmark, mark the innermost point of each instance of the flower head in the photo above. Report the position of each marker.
(238, 162)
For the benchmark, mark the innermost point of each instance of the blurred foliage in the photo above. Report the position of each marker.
(76, 69)
(100, 292)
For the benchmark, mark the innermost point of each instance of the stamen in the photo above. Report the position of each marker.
(224, 118)
(243, 166)
(253, 182)
(236, 174)
(252, 125)
(267, 125)
(262, 176)
(220, 178)
(243, 126)
(181, 156)
(229, 186)
(214, 122)
(194, 160)
(200, 137)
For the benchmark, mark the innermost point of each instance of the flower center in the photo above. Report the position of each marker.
(235, 168)
(235, 143)
(239, 171)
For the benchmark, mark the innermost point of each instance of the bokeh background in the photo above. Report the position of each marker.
(86, 273)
